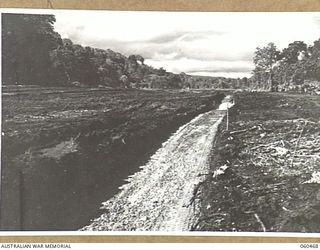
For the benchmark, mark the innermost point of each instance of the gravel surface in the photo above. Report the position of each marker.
(157, 198)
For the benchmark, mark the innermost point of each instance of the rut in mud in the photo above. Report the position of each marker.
(158, 197)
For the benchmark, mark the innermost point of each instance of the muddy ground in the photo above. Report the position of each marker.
(271, 153)
(66, 150)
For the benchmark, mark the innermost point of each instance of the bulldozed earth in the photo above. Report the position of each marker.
(66, 150)
(269, 165)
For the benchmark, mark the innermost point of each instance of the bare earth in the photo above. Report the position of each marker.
(157, 198)
(69, 149)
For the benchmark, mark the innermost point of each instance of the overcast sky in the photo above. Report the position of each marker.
(215, 44)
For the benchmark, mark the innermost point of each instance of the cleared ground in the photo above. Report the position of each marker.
(272, 151)
(66, 150)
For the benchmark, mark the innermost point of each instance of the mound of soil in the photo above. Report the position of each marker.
(271, 154)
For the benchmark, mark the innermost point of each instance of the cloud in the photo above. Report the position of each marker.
(174, 50)
(188, 36)
(221, 69)
(177, 44)
(210, 43)
(192, 66)
(316, 19)
(215, 55)
(223, 74)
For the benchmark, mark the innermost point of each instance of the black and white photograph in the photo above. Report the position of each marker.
(160, 121)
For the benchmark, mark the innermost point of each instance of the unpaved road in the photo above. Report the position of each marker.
(157, 198)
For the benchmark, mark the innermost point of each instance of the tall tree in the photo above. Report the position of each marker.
(265, 59)
(313, 62)
(294, 52)
(26, 42)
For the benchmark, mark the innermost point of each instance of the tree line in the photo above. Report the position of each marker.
(295, 68)
(33, 53)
